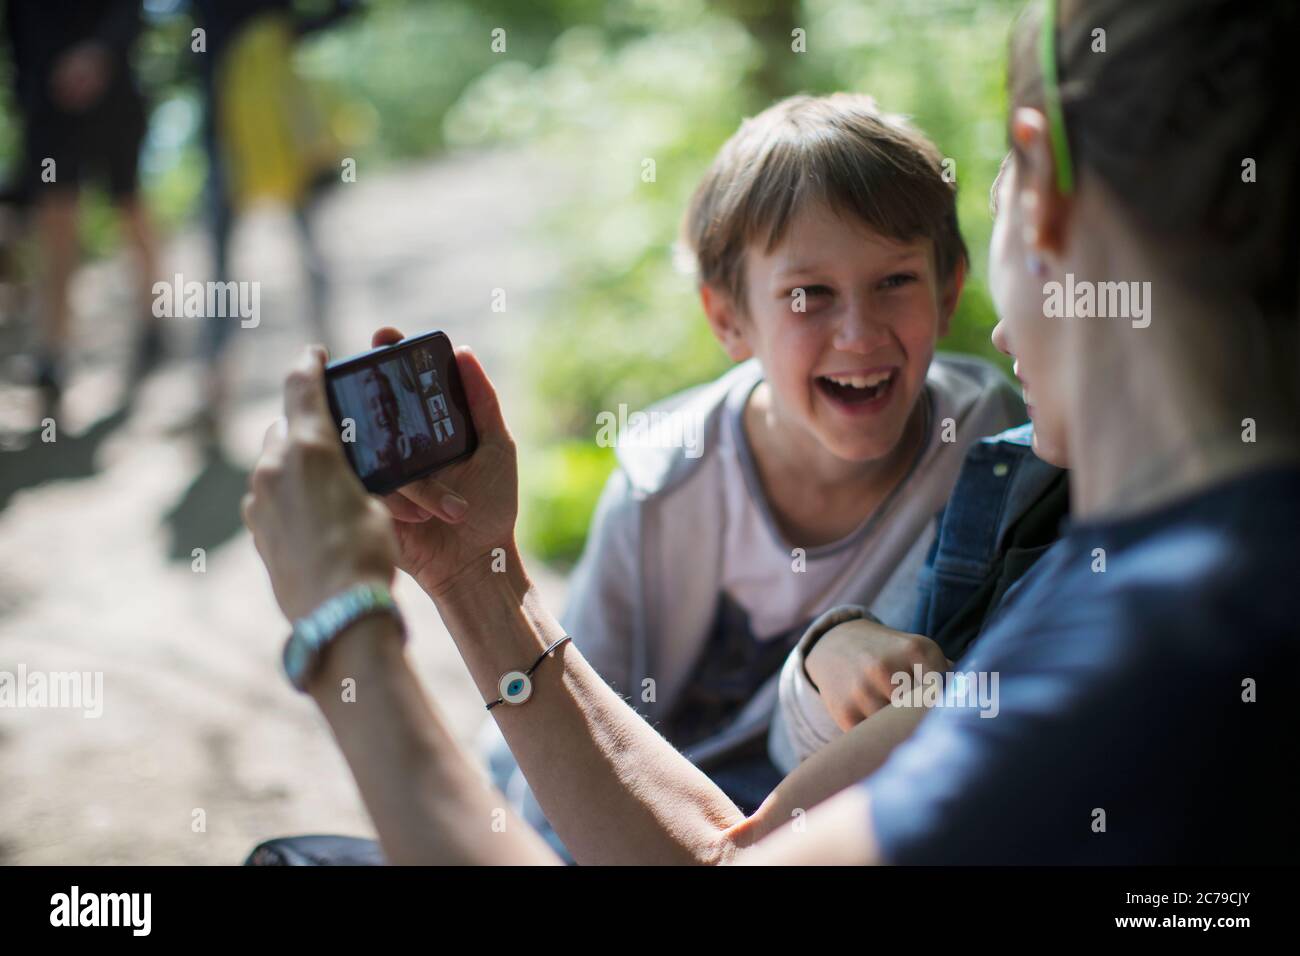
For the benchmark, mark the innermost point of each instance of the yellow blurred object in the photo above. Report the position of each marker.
(272, 128)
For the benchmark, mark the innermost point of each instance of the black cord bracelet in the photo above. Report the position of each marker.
(516, 687)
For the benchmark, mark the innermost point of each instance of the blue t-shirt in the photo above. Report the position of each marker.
(1124, 730)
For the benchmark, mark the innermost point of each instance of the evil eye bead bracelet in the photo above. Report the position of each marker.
(515, 687)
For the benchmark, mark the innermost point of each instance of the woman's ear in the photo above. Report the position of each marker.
(725, 321)
(1044, 212)
(950, 296)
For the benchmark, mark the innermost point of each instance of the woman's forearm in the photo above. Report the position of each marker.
(428, 800)
(614, 790)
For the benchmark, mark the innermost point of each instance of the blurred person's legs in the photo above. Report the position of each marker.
(68, 146)
(305, 216)
(140, 234)
(114, 135)
(56, 238)
(14, 228)
(216, 330)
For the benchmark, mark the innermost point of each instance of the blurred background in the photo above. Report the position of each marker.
(476, 167)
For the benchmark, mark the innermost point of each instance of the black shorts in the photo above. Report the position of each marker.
(99, 145)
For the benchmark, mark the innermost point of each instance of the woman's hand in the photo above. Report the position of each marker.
(317, 530)
(458, 525)
(853, 665)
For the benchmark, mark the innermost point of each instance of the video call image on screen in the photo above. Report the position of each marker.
(405, 420)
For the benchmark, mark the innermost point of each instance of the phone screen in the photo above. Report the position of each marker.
(401, 411)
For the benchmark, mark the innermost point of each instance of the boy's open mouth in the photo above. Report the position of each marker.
(856, 389)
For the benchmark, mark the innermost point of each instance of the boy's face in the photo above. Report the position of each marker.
(1035, 342)
(850, 367)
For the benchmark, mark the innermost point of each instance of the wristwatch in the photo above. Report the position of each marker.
(313, 633)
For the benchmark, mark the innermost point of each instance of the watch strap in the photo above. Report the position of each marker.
(313, 633)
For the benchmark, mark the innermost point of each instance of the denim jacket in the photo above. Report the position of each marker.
(1000, 480)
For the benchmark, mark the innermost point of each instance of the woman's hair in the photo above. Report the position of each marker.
(1186, 109)
(841, 149)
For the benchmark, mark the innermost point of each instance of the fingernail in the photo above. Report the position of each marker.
(454, 505)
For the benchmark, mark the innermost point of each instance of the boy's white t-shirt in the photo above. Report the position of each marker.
(759, 565)
(771, 590)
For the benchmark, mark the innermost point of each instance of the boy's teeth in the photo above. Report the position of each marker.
(860, 381)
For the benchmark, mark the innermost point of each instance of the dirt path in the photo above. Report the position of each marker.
(98, 530)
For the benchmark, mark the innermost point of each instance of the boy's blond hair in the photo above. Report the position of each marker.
(840, 149)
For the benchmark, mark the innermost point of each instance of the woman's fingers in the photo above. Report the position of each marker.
(305, 405)
(385, 336)
(275, 434)
(405, 510)
(437, 499)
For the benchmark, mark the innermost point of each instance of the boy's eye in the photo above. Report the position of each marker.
(809, 292)
(898, 279)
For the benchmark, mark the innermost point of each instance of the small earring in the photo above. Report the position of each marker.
(1034, 265)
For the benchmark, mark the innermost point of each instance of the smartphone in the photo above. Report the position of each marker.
(401, 411)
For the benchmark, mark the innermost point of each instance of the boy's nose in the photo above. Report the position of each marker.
(858, 332)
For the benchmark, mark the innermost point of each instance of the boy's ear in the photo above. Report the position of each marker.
(950, 296)
(725, 321)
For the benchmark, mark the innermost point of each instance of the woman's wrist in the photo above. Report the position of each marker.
(498, 622)
(361, 652)
(326, 584)
(497, 565)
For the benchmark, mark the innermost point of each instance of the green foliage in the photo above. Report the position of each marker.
(561, 481)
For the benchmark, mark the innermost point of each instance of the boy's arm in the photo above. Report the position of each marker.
(802, 725)
(839, 765)
(854, 660)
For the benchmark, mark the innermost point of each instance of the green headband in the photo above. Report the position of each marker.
(1052, 95)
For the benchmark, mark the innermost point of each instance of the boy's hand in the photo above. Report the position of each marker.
(451, 524)
(317, 530)
(853, 664)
